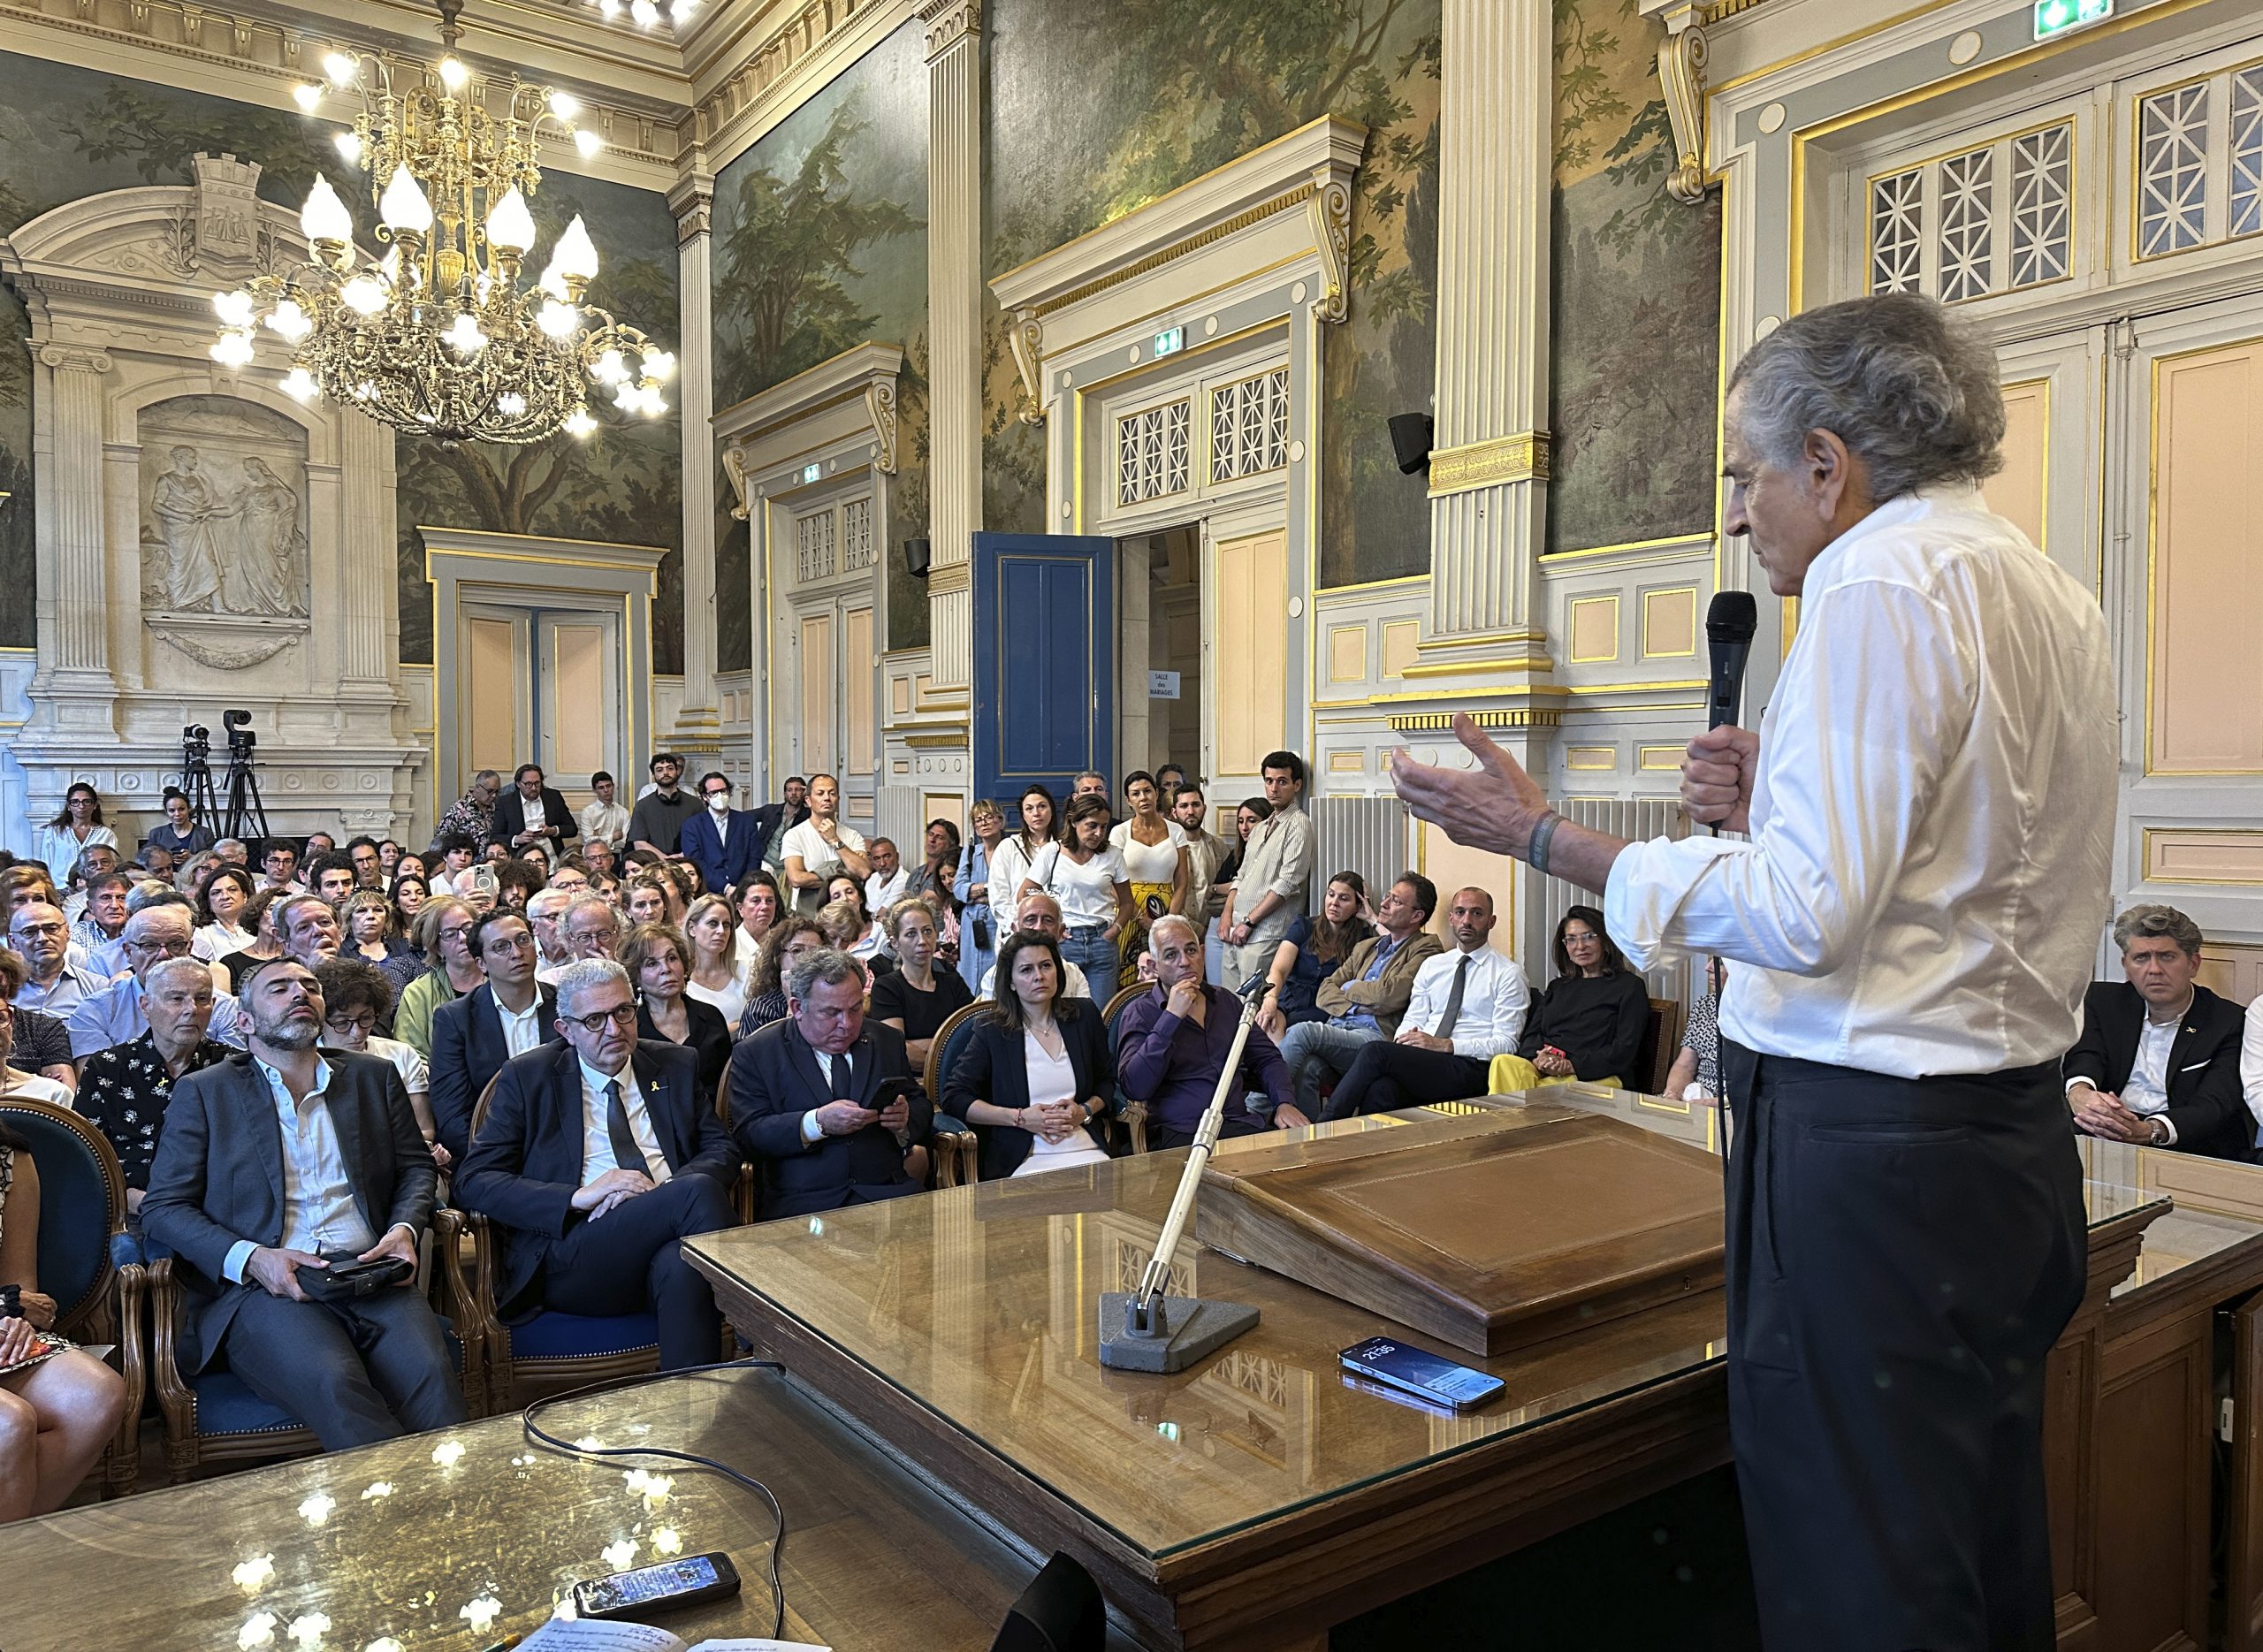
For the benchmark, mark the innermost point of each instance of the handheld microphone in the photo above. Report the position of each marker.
(1730, 622)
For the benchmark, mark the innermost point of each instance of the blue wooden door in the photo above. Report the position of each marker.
(1044, 669)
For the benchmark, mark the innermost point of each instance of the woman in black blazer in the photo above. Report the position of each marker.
(659, 962)
(1036, 1077)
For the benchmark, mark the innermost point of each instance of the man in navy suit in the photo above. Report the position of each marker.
(804, 1090)
(598, 1157)
(532, 812)
(725, 843)
(507, 1015)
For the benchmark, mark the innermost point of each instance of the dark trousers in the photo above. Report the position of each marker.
(1902, 1254)
(1161, 1137)
(1386, 1077)
(357, 1372)
(629, 1261)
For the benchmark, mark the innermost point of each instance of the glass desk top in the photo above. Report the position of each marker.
(979, 1305)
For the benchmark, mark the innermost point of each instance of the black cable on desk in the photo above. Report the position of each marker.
(540, 1437)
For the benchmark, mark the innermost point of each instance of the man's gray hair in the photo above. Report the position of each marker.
(1912, 391)
(549, 903)
(156, 892)
(589, 903)
(2148, 921)
(576, 981)
(222, 845)
(138, 924)
(825, 967)
(289, 904)
(166, 969)
(1032, 899)
(1172, 920)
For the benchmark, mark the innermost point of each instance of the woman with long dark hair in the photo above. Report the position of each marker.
(791, 938)
(220, 909)
(1589, 1024)
(1310, 950)
(1036, 1078)
(1009, 862)
(77, 828)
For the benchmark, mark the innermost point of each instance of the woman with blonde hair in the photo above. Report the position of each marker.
(710, 926)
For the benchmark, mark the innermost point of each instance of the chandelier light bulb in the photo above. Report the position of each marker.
(325, 217)
(365, 391)
(587, 143)
(339, 67)
(680, 12)
(511, 405)
(609, 8)
(565, 105)
(653, 404)
(299, 384)
(231, 349)
(307, 96)
(349, 147)
(645, 13)
(362, 295)
(575, 257)
(659, 364)
(558, 320)
(578, 422)
(290, 320)
(235, 308)
(453, 74)
(609, 369)
(510, 226)
(465, 334)
(403, 205)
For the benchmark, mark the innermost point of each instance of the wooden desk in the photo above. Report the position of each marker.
(1257, 1499)
(874, 1560)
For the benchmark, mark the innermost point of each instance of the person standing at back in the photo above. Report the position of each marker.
(1930, 809)
(657, 822)
(1275, 874)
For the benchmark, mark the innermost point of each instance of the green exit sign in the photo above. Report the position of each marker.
(1171, 343)
(2056, 17)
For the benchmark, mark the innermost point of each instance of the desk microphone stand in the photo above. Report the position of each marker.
(1147, 1329)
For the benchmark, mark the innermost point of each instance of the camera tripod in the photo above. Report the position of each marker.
(196, 774)
(246, 816)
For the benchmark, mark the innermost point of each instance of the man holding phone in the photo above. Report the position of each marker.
(825, 1099)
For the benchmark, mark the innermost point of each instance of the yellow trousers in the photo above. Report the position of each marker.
(1508, 1074)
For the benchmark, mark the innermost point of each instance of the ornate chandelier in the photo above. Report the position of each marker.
(438, 335)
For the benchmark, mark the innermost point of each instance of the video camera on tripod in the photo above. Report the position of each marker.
(244, 816)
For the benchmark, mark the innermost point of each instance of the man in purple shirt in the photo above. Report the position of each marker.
(1171, 1045)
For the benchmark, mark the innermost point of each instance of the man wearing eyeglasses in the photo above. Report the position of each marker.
(40, 935)
(599, 1156)
(118, 1013)
(507, 1015)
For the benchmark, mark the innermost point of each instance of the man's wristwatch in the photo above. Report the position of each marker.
(2157, 1131)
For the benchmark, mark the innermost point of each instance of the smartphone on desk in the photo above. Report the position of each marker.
(1425, 1376)
(657, 1588)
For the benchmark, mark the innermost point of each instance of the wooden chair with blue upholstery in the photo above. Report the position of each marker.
(86, 1257)
(957, 1031)
(958, 1149)
(1132, 1111)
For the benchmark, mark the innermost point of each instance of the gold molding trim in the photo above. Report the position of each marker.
(1538, 663)
(944, 578)
(1421, 722)
(2149, 860)
(929, 739)
(1524, 457)
(1722, 10)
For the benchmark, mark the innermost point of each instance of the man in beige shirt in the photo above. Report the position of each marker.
(1275, 874)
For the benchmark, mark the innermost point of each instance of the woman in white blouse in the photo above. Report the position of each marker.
(220, 911)
(1036, 1078)
(74, 831)
(1085, 874)
(716, 978)
(1010, 861)
(1157, 858)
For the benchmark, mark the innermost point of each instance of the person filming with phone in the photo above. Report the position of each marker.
(1918, 887)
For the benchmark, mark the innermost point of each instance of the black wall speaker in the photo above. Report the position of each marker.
(1410, 440)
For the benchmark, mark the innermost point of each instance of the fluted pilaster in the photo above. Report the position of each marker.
(699, 716)
(73, 559)
(953, 332)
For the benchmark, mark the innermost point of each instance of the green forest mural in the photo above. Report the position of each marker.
(1635, 290)
(1169, 90)
(67, 132)
(820, 244)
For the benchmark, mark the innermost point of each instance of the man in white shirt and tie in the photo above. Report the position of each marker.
(1929, 805)
(599, 1157)
(1469, 1006)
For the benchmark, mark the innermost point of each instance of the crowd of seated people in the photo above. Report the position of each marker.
(586, 1027)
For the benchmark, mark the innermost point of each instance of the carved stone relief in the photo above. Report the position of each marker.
(224, 512)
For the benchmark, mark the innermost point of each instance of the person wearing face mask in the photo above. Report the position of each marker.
(723, 842)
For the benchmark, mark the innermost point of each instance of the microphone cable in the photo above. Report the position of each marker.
(541, 1436)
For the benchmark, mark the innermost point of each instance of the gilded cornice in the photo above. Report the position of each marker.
(1523, 457)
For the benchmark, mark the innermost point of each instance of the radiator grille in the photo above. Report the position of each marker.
(1368, 835)
(1634, 818)
(895, 811)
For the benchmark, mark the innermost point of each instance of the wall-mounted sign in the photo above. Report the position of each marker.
(2056, 17)
(1163, 685)
(1171, 343)
(812, 472)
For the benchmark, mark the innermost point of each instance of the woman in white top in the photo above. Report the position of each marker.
(1009, 862)
(219, 911)
(1036, 1077)
(74, 831)
(1085, 874)
(865, 940)
(356, 997)
(716, 978)
(1157, 858)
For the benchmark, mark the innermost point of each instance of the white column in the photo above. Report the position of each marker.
(1488, 469)
(954, 335)
(369, 590)
(76, 689)
(699, 719)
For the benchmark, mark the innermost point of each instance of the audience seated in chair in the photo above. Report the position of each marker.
(596, 1157)
(56, 1416)
(1172, 1044)
(41, 936)
(658, 962)
(1036, 1080)
(1696, 1075)
(273, 1165)
(506, 1015)
(1589, 1024)
(1365, 997)
(1311, 952)
(802, 1092)
(917, 997)
(21, 1081)
(1468, 1006)
(791, 938)
(124, 1090)
(1042, 913)
(2158, 1060)
(42, 1043)
(356, 995)
(114, 1014)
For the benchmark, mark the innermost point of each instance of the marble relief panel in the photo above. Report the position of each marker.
(224, 510)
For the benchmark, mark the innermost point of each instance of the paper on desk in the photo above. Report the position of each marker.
(601, 1635)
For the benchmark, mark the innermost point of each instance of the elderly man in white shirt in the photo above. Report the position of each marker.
(1469, 1005)
(1929, 810)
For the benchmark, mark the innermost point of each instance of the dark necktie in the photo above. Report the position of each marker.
(626, 1153)
(844, 1084)
(1451, 1013)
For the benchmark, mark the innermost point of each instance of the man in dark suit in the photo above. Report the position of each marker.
(272, 1166)
(506, 1015)
(803, 1089)
(773, 821)
(597, 1156)
(725, 843)
(2158, 1060)
(531, 812)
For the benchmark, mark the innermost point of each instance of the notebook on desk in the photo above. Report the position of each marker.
(607, 1634)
